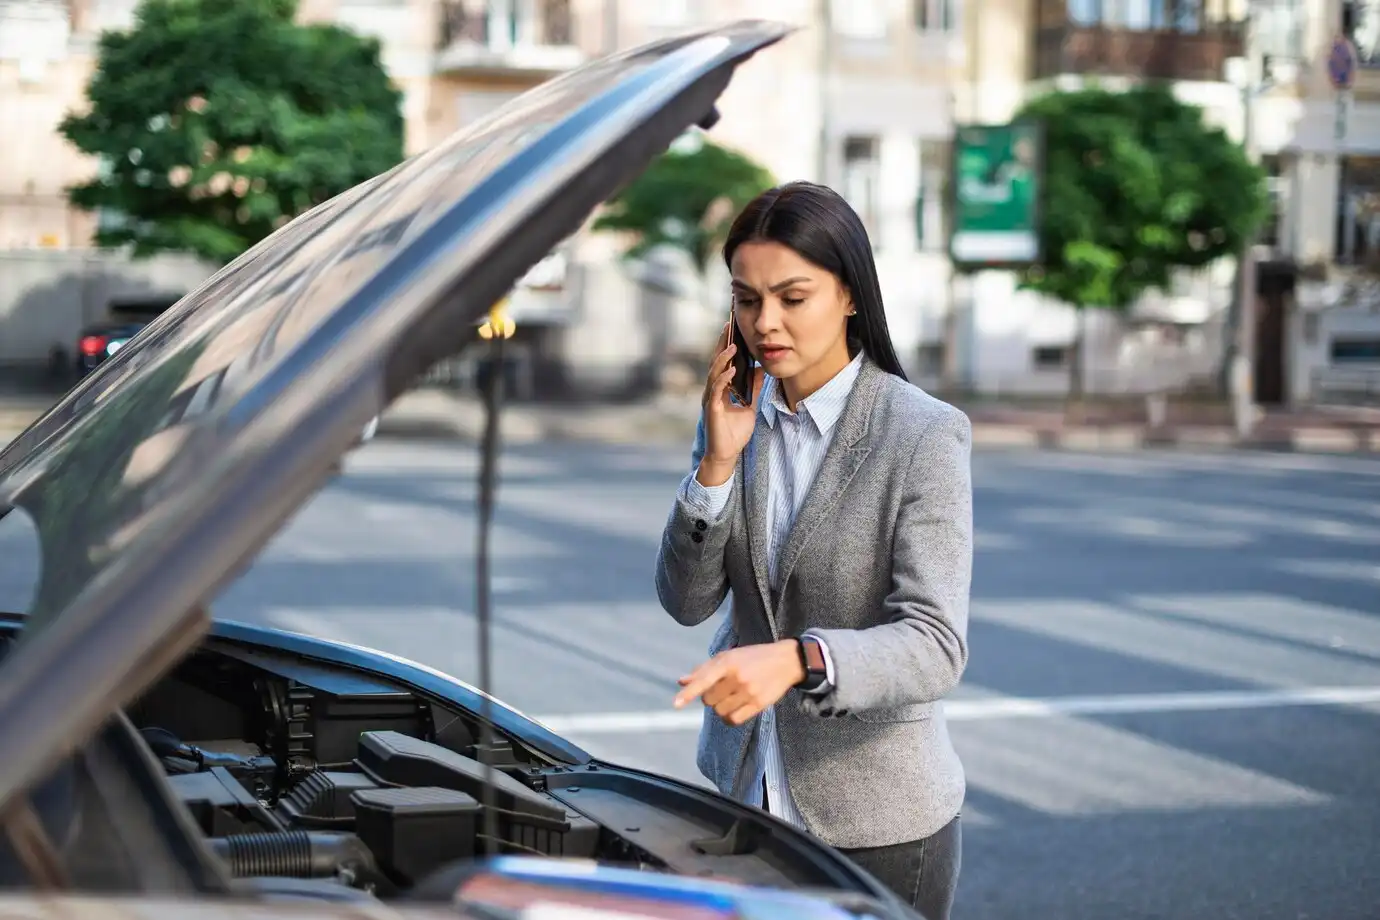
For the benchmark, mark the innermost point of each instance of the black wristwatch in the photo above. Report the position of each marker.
(812, 662)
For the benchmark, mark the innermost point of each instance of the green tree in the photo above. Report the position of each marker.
(216, 122)
(686, 198)
(1137, 185)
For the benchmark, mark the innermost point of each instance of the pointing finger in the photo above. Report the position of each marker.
(698, 681)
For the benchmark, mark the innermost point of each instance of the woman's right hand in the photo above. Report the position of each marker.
(727, 426)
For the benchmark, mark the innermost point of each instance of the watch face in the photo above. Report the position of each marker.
(814, 657)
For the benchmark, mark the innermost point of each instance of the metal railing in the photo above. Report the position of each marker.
(1149, 53)
(1355, 386)
(461, 373)
(470, 21)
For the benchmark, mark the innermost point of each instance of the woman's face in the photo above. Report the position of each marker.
(792, 313)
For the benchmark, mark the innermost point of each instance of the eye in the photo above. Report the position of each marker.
(744, 301)
(793, 301)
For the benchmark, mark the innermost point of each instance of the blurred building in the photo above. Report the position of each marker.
(453, 60)
(860, 99)
(865, 98)
(1311, 324)
(52, 282)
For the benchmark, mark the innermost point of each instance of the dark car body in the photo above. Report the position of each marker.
(98, 341)
(149, 749)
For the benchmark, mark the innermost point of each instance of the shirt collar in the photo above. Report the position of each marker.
(823, 407)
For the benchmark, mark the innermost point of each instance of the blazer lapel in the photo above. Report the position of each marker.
(847, 451)
(759, 528)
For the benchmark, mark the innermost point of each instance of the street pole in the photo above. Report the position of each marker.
(610, 26)
(949, 369)
(1237, 365)
(825, 63)
(957, 372)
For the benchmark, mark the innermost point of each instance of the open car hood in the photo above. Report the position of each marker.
(160, 477)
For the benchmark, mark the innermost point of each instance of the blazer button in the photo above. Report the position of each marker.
(697, 537)
(840, 713)
(701, 525)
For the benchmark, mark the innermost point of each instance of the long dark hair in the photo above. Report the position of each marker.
(816, 222)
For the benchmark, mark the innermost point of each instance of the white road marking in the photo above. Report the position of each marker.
(618, 723)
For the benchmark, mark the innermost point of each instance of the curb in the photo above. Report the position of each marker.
(463, 422)
(431, 415)
(1361, 441)
(520, 429)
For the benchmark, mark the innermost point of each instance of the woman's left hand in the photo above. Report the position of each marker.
(741, 682)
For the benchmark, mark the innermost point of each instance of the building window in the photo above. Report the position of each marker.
(1279, 26)
(669, 14)
(1151, 15)
(1084, 12)
(1124, 14)
(929, 200)
(1275, 187)
(861, 19)
(1049, 357)
(1355, 351)
(1361, 24)
(936, 15)
(501, 25)
(108, 15)
(1358, 211)
(861, 174)
(32, 35)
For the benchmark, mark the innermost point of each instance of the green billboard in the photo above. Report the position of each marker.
(996, 191)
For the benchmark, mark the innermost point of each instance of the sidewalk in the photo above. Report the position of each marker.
(672, 419)
(432, 413)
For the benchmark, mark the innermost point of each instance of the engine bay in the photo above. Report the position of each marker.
(312, 780)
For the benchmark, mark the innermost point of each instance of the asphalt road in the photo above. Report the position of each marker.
(1197, 637)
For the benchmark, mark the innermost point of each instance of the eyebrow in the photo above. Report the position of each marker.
(779, 286)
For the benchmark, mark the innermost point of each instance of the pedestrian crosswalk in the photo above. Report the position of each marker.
(1153, 638)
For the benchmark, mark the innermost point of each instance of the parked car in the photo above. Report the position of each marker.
(100, 340)
(154, 753)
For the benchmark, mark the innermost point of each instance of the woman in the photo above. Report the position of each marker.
(836, 507)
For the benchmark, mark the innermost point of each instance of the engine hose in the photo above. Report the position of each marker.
(295, 854)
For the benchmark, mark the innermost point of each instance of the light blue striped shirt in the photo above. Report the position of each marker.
(800, 441)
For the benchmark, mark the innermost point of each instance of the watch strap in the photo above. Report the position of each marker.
(815, 666)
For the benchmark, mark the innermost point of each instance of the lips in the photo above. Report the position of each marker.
(772, 351)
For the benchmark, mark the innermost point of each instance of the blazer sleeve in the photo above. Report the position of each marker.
(919, 654)
(691, 581)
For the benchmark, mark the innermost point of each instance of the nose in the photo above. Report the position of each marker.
(768, 318)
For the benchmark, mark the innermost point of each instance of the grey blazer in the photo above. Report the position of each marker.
(879, 564)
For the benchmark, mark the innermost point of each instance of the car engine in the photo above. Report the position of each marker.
(311, 780)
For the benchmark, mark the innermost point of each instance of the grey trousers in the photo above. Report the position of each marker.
(923, 872)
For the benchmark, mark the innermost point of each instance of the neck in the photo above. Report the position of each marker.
(810, 380)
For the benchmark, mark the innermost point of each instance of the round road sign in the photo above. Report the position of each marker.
(1341, 63)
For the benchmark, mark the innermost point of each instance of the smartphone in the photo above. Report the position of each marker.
(740, 387)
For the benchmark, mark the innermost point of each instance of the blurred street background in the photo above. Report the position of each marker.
(1161, 310)
(100, 229)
